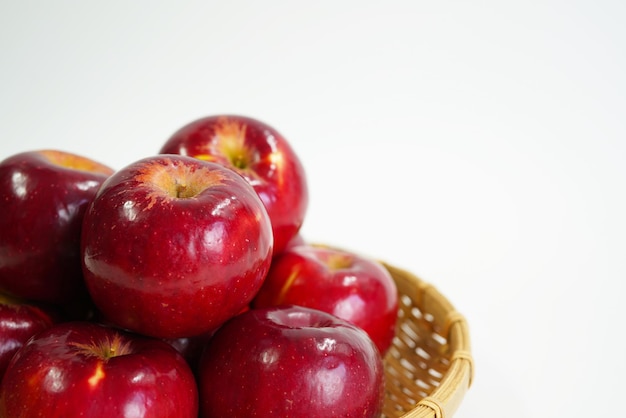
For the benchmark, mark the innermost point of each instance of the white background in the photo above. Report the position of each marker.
(478, 144)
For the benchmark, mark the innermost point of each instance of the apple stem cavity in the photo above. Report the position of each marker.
(182, 191)
(339, 261)
(106, 348)
(297, 320)
(239, 160)
(231, 141)
(75, 162)
(9, 300)
(179, 180)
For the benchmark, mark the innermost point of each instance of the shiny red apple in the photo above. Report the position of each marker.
(82, 369)
(19, 321)
(173, 246)
(290, 361)
(261, 155)
(43, 196)
(350, 286)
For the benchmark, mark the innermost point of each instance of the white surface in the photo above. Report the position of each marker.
(478, 144)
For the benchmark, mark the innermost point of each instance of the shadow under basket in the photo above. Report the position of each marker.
(429, 367)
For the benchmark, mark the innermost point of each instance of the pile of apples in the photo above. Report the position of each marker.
(180, 286)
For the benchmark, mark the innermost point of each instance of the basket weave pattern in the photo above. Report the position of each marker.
(429, 367)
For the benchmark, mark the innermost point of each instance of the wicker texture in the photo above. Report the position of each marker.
(429, 368)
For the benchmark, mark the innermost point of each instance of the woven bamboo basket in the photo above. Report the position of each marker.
(429, 367)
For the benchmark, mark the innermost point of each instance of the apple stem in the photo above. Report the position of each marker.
(181, 190)
(240, 161)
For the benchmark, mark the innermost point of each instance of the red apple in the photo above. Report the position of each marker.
(82, 369)
(43, 196)
(290, 361)
(20, 320)
(261, 155)
(174, 246)
(350, 286)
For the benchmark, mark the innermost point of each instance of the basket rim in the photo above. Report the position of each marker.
(446, 398)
